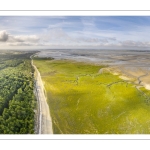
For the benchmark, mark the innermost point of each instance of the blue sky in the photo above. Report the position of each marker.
(99, 32)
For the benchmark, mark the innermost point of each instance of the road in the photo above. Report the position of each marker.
(44, 119)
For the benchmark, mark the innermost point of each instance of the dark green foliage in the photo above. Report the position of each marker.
(17, 100)
(43, 58)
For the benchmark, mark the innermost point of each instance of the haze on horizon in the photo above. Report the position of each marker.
(78, 32)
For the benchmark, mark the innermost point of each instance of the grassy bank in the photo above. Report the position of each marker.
(83, 101)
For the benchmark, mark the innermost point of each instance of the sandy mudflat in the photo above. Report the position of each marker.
(139, 75)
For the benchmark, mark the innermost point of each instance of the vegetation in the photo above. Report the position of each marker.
(83, 101)
(17, 102)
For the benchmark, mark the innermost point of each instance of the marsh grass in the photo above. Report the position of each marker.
(82, 101)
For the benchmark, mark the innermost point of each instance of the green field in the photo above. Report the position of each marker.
(83, 101)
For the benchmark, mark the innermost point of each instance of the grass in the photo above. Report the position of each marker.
(82, 101)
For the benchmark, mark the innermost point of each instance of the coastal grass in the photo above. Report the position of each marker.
(84, 101)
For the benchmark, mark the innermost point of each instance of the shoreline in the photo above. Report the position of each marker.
(129, 77)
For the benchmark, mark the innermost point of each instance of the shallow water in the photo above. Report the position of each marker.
(130, 58)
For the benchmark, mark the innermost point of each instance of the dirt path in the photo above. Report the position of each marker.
(44, 119)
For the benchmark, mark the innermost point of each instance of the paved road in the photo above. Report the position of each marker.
(44, 121)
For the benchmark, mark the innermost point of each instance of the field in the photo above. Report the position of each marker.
(84, 101)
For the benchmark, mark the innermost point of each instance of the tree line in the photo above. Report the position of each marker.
(17, 101)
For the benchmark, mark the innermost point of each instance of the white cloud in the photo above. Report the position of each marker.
(24, 38)
(23, 44)
(7, 39)
(3, 36)
(60, 38)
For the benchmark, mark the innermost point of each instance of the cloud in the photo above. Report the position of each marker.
(114, 31)
(112, 39)
(24, 38)
(23, 44)
(134, 44)
(7, 39)
(56, 37)
(59, 36)
(56, 34)
(3, 36)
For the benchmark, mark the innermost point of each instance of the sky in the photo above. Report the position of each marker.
(75, 32)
